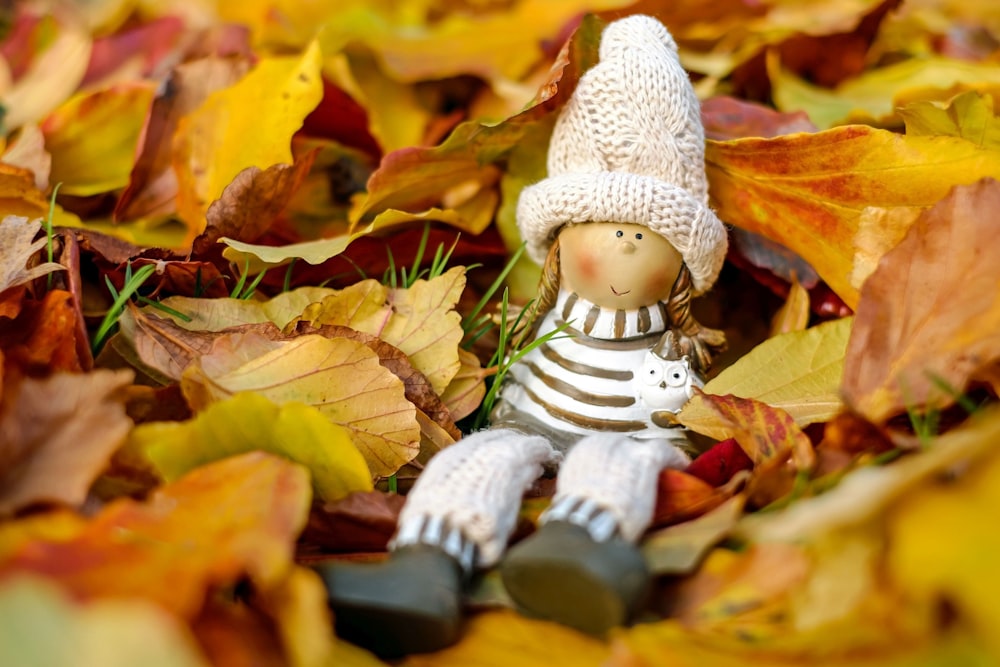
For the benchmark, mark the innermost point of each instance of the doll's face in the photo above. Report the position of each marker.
(617, 265)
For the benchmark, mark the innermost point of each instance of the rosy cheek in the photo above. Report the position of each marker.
(657, 283)
(586, 266)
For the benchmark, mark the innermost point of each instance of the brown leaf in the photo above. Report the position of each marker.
(930, 314)
(681, 497)
(57, 434)
(362, 521)
(45, 337)
(251, 202)
(17, 238)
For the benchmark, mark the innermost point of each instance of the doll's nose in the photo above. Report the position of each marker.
(628, 247)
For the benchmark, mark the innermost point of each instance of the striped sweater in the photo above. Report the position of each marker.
(583, 383)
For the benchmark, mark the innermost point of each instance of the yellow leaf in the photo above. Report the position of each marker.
(340, 377)
(809, 191)
(213, 144)
(970, 116)
(219, 314)
(794, 314)
(945, 547)
(299, 607)
(420, 320)
(42, 626)
(799, 372)
(873, 96)
(262, 257)
(248, 422)
(93, 137)
(504, 638)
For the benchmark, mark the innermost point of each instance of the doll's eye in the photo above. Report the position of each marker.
(619, 233)
(638, 237)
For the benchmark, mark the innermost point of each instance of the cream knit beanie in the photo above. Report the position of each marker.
(629, 147)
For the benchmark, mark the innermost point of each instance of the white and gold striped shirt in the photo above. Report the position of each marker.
(582, 383)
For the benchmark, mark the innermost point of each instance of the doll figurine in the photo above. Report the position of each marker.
(623, 230)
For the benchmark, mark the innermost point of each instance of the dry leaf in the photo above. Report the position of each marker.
(503, 638)
(17, 238)
(679, 549)
(94, 137)
(808, 191)
(41, 625)
(794, 314)
(930, 314)
(28, 152)
(57, 434)
(799, 372)
(250, 203)
(249, 422)
(341, 377)
(210, 529)
(212, 145)
(419, 320)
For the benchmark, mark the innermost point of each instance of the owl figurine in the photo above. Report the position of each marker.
(666, 379)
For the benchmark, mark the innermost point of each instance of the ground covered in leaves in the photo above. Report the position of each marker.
(250, 256)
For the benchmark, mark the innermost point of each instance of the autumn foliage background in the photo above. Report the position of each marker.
(246, 253)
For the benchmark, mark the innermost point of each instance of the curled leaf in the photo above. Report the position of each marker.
(17, 238)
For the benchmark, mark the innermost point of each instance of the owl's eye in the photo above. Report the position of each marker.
(651, 373)
(676, 375)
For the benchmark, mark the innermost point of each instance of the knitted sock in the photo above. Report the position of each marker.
(470, 493)
(608, 484)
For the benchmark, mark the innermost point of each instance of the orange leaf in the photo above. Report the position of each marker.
(765, 433)
(57, 434)
(810, 191)
(930, 314)
(49, 339)
(212, 527)
(681, 496)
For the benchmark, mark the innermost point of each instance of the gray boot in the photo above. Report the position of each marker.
(561, 573)
(410, 603)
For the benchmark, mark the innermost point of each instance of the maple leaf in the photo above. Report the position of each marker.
(17, 238)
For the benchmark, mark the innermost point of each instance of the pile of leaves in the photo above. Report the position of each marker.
(249, 259)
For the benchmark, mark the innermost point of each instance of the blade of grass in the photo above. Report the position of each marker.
(132, 283)
(471, 317)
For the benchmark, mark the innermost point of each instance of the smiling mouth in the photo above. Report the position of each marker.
(617, 293)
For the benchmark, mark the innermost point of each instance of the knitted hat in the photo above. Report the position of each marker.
(629, 147)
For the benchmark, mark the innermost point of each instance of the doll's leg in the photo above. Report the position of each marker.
(582, 567)
(458, 515)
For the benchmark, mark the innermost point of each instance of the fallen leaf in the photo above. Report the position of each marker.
(281, 91)
(808, 191)
(727, 117)
(41, 625)
(46, 337)
(262, 257)
(678, 549)
(299, 607)
(794, 314)
(235, 633)
(225, 313)
(137, 51)
(152, 186)
(341, 377)
(681, 497)
(766, 434)
(57, 434)
(224, 521)
(970, 116)
(53, 74)
(873, 96)
(420, 320)
(465, 392)
(94, 137)
(250, 203)
(28, 152)
(503, 638)
(720, 463)
(929, 315)
(799, 372)
(17, 237)
(249, 422)
(358, 522)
